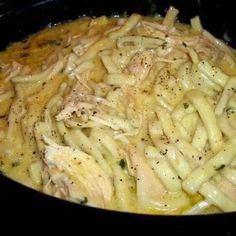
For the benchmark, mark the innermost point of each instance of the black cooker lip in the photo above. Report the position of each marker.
(11, 189)
(21, 18)
(24, 206)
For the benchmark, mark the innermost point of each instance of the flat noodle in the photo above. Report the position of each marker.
(173, 135)
(119, 79)
(208, 117)
(218, 198)
(92, 51)
(132, 114)
(175, 158)
(45, 75)
(130, 23)
(165, 172)
(227, 93)
(110, 65)
(86, 145)
(200, 137)
(7, 95)
(230, 174)
(196, 24)
(210, 168)
(170, 17)
(213, 73)
(138, 41)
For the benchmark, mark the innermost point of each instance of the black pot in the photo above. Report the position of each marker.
(21, 18)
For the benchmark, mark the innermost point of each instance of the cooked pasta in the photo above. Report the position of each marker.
(132, 114)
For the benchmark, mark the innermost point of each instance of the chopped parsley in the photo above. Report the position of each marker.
(15, 163)
(221, 167)
(186, 105)
(122, 163)
(84, 201)
(24, 54)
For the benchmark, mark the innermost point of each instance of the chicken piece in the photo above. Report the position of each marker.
(140, 64)
(14, 70)
(85, 43)
(81, 101)
(77, 176)
(150, 190)
(167, 87)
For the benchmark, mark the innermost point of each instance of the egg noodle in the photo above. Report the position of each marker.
(131, 113)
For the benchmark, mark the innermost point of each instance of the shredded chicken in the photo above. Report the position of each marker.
(140, 64)
(77, 174)
(150, 190)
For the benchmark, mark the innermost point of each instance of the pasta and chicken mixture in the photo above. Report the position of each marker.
(126, 113)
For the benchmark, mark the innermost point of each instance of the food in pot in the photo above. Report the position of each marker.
(130, 113)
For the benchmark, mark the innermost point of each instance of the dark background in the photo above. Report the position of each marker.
(17, 203)
(18, 18)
